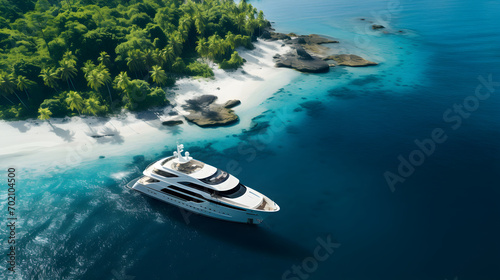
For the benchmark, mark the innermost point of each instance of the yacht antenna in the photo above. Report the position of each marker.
(178, 154)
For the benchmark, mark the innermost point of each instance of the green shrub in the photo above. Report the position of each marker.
(57, 107)
(200, 69)
(233, 63)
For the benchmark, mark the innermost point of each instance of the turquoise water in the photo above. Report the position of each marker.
(321, 151)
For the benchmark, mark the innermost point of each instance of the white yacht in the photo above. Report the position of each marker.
(201, 188)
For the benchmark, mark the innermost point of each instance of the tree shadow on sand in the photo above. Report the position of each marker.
(106, 135)
(66, 135)
(22, 126)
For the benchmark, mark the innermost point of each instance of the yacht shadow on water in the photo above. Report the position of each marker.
(257, 238)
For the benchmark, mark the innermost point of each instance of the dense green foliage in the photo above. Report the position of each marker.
(94, 57)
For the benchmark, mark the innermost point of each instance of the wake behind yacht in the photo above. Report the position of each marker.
(201, 188)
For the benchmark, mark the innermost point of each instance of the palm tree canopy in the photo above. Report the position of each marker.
(69, 56)
(92, 106)
(24, 83)
(158, 75)
(67, 69)
(122, 80)
(88, 66)
(74, 101)
(49, 76)
(95, 79)
(44, 113)
(7, 83)
(104, 58)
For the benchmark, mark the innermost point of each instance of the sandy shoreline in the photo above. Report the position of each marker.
(67, 142)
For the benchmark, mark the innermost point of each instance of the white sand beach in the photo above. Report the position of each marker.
(68, 142)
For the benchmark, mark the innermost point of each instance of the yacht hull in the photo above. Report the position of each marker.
(206, 208)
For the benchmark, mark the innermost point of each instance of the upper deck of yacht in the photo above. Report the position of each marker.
(193, 168)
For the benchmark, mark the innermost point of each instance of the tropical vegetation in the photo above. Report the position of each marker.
(94, 57)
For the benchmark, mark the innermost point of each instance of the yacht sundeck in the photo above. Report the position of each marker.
(201, 188)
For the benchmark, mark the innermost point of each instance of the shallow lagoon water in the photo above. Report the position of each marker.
(320, 150)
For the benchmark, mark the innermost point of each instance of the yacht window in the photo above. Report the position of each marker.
(219, 177)
(186, 191)
(235, 192)
(180, 196)
(163, 173)
(197, 187)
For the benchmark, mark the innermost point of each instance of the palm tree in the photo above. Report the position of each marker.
(168, 54)
(104, 58)
(135, 60)
(200, 23)
(95, 79)
(68, 55)
(122, 81)
(250, 26)
(92, 106)
(24, 84)
(158, 75)
(231, 40)
(158, 56)
(106, 78)
(202, 47)
(75, 101)
(261, 22)
(215, 46)
(176, 41)
(68, 71)
(44, 114)
(184, 27)
(88, 66)
(50, 77)
(8, 85)
(240, 21)
(150, 59)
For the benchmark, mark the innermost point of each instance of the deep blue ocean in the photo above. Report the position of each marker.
(323, 151)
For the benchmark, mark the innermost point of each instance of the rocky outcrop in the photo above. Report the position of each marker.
(232, 103)
(273, 36)
(300, 60)
(350, 60)
(310, 39)
(204, 112)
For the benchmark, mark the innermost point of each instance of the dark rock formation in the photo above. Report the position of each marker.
(273, 36)
(204, 112)
(314, 39)
(300, 60)
(172, 123)
(350, 60)
(232, 103)
(377, 26)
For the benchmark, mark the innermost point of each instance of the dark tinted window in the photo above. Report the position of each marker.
(163, 173)
(186, 191)
(235, 192)
(219, 177)
(197, 187)
(180, 196)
